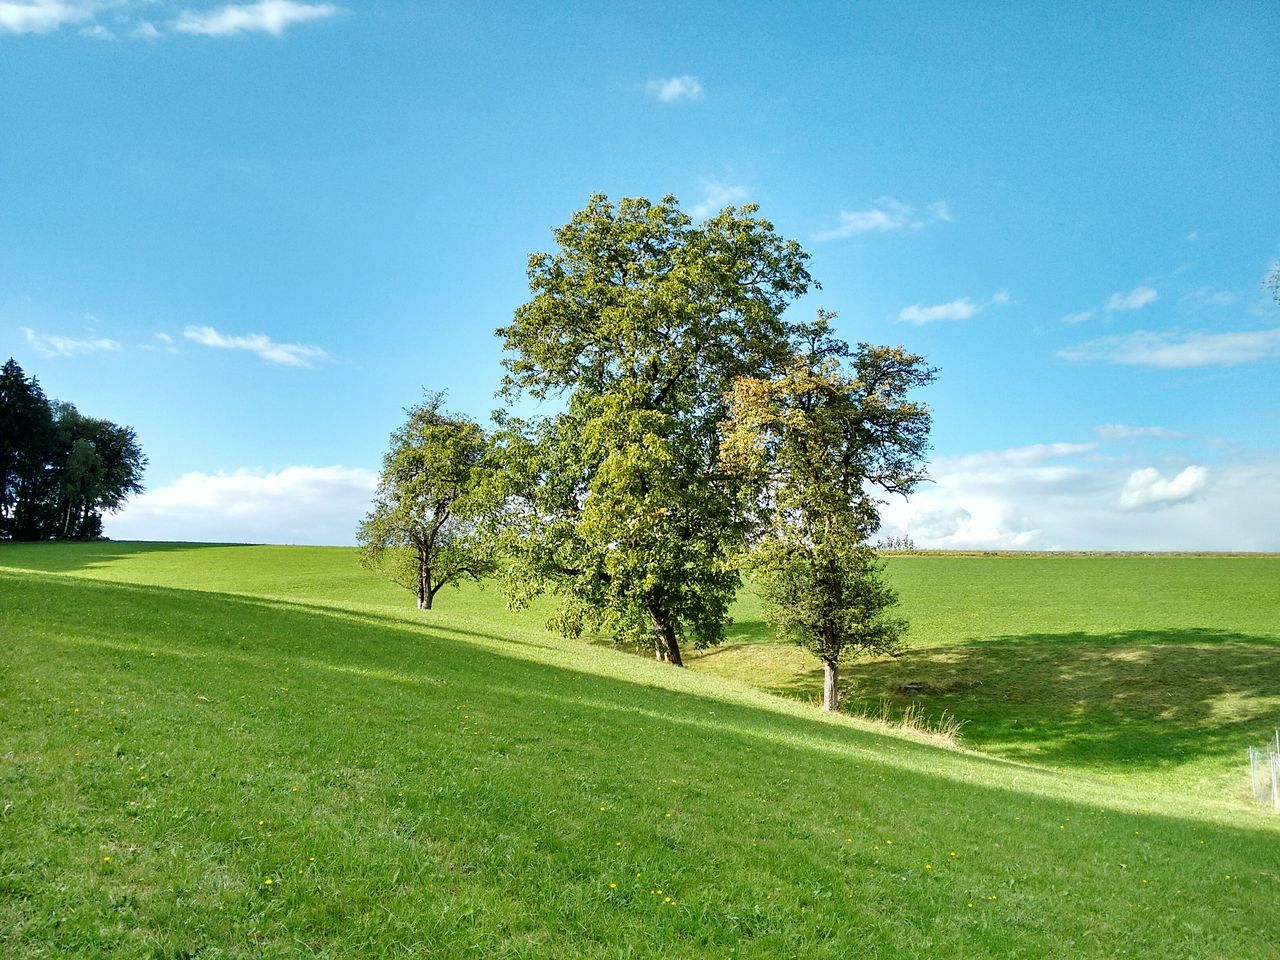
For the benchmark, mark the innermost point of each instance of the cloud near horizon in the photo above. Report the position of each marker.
(1146, 489)
(1067, 496)
(298, 504)
(285, 354)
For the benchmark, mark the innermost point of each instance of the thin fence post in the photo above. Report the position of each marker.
(1253, 775)
(1273, 761)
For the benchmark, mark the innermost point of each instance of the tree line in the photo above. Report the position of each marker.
(697, 434)
(59, 469)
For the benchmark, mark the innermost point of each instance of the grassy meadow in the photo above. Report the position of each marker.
(233, 751)
(1155, 669)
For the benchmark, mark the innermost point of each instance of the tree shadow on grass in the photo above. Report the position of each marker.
(1136, 699)
(71, 556)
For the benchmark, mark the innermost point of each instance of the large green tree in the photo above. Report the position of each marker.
(817, 441)
(639, 322)
(428, 524)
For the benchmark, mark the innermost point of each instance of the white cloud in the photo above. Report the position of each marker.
(41, 16)
(1135, 299)
(675, 89)
(146, 30)
(1119, 431)
(1080, 316)
(885, 215)
(1173, 351)
(166, 343)
(52, 345)
(961, 309)
(1147, 490)
(264, 16)
(715, 197)
(1063, 496)
(1209, 297)
(314, 505)
(287, 354)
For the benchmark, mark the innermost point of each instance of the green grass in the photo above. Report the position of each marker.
(463, 783)
(1158, 670)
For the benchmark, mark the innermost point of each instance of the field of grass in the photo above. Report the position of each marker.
(1159, 670)
(266, 752)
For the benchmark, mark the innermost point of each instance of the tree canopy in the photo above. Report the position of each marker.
(639, 323)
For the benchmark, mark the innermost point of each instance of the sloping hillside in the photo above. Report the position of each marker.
(242, 751)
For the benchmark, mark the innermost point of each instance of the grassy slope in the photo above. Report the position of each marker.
(1155, 669)
(462, 782)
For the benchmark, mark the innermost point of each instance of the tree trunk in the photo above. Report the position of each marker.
(666, 646)
(425, 593)
(830, 685)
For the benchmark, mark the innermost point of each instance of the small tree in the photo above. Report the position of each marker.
(427, 524)
(817, 440)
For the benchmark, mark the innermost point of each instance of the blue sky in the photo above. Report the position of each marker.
(255, 232)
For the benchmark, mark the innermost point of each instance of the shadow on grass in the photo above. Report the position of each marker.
(70, 556)
(1150, 699)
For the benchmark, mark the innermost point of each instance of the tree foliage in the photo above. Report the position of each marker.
(639, 323)
(816, 441)
(59, 470)
(427, 527)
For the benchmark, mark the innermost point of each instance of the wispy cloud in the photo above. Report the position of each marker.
(52, 345)
(1120, 431)
(42, 16)
(164, 343)
(286, 354)
(1080, 316)
(885, 215)
(264, 16)
(1175, 351)
(717, 195)
(675, 89)
(1146, 489)
(1135, 299)
(961, 309)
(1209, 297)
